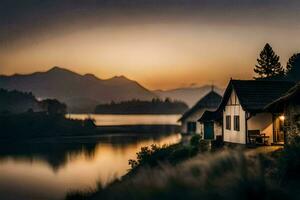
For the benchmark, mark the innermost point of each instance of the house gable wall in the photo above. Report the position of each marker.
(233, 108)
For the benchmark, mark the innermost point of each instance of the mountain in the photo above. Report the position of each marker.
(189, 95)
(80, 92)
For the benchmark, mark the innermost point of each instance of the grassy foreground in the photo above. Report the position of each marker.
(226, 174)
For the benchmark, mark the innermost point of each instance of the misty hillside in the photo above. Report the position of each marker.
(189, 95)
(80, 92)
(18, 102)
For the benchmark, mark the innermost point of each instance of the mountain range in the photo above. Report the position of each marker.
(79, 92)
(83, 92)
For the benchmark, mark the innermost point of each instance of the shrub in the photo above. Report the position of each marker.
(154, 155)
(289, 161)
(204, 145)
(195, 140)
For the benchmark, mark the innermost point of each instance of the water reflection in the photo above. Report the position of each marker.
(50, 168)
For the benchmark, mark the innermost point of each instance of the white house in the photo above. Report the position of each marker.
(189, 120)
(244, 117)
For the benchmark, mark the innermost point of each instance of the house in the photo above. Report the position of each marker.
(211, 124)
(189, 120)
(242, 112)
(288, 107)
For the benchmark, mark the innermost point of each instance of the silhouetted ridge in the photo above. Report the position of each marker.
(80, 92)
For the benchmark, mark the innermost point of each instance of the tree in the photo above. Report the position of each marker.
(54, 107)
(268, 66)
(293, 68)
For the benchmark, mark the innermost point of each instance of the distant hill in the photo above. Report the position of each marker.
(17, 102)
(155, 106)
(190, 95)
(80, 92)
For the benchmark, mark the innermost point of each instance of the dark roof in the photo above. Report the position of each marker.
(211, 116)
(254, 95)
(293, 95)
(209, 101)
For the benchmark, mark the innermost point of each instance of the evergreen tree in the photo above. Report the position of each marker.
(268, 66)
(293, 68)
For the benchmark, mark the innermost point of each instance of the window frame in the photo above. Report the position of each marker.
(236, 123)
(191, 127)
(228, 122)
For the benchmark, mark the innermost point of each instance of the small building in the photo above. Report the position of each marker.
(244, 118)
(211, 124)
(288, 107)
(189, 120)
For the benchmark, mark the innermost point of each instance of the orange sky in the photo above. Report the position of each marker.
(158, 53)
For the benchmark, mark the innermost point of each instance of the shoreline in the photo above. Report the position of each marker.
(140, 128)
(107, 131)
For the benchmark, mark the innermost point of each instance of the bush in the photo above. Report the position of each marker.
(204, 145)
(195, 140)
(289, 161)
(154, 155)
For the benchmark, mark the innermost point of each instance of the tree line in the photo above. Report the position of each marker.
(19, 102)
(135, 106)
(268, 66)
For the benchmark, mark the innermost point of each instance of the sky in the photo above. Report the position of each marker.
(162, 44)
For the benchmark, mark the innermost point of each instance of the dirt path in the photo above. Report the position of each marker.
(263, 150)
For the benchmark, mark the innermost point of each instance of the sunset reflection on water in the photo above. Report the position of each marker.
(50, 170)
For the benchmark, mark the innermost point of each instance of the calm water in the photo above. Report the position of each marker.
(48, 169)
(106, 120)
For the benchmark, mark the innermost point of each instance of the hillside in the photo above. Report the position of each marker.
(190, 95)
(81, 92)
(17, 102)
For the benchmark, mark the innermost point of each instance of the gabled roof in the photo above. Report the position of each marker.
(211, 116)
(209, 101)
(254, 95)
(293, 95)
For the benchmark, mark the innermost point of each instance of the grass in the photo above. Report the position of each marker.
(227, 174)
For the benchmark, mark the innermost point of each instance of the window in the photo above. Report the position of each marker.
(228, 122)
(237, 123)
(191, 127)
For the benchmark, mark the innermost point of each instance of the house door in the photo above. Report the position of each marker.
(278, 130)
(191, 127)
(208, 130)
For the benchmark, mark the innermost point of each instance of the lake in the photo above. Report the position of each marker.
(110, 120)
(49, 168)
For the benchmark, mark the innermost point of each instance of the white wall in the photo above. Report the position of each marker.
(217, 129)
(262, 122)
(194, 118)
(232, 108)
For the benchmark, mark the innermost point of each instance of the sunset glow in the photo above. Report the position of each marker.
(161, 48)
